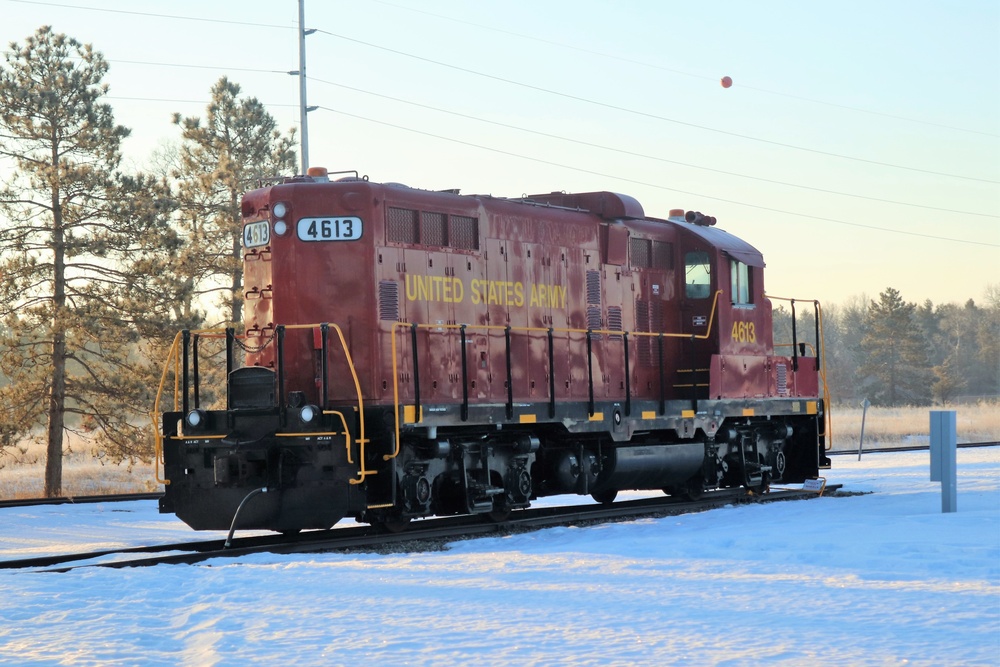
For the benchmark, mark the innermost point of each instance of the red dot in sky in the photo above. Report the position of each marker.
(726, 81)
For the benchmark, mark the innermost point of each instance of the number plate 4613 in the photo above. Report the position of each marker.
(329, 229)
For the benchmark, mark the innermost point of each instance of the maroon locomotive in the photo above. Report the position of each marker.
(407, 353)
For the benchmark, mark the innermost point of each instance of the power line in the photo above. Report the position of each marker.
(649, 65)
(175, 101)
(552, 136)
(183, 65)
(153, 15)
(649, 157)
(530, 87)
(646, 114)
(656, 185)
(534, 132)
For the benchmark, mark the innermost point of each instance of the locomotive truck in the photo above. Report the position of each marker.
(407, 353)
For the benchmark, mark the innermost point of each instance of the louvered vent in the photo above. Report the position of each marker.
(594, 319)
(615, 321)
(643, 343)
(656, 316)
(594, 288)
(782, 370)
(388, 300)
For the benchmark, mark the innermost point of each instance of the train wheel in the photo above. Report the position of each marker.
(605, 497)
(498, 516)
(396, 525)
(694, 489)
(690, 490)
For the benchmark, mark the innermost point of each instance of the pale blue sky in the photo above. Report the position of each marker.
(892, 100)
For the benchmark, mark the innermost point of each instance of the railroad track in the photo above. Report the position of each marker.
(907, 448)
(369, 537)
(79, 500)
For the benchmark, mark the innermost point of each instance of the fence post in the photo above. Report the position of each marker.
(943, 457)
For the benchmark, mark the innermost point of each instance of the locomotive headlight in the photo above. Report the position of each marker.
(308, 414)
(280, 209)
(280, 227)
(196, 420)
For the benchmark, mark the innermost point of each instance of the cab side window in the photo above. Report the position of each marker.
(739, 279)
(697, 275)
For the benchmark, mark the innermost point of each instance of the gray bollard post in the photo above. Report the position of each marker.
(943, 457)
(864, 413)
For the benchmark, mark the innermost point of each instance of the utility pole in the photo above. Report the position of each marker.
(304, 109)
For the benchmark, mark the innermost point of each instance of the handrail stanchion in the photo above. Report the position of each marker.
(795, 341)
(590, 372)
(552, 376)
(416, 372)
(663, 377)
(510, 375)
(324, 330)
(186, 338)
(628, 382)
(465, 377)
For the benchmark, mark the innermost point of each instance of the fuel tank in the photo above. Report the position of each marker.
(652, 466)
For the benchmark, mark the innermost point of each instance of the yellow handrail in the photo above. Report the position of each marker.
(497, 327)
(347, 431)
(173, 355)
(362, 473)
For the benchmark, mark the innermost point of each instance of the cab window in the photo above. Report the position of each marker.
(697, 275)
(739, 277)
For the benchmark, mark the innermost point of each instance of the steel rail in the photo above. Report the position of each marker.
(907, 448)
(79, 500)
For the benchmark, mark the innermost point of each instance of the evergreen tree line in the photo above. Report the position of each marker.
(100, 265)
(897, 353)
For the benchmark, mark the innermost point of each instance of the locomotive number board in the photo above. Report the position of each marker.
(256, 234)
(329, 229)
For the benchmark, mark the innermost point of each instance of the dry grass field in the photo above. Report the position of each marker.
(887, 427)
(22, 473)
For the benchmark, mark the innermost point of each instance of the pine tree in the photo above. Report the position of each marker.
(894, 353)
(988, 344)
(235, 147)
(84, 250)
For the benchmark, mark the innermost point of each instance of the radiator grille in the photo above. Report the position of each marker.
(464, 232)
(433, 229)
(663, 255)
(402, 225)
(639, 253)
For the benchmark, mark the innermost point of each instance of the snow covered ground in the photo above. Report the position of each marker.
(879, 579)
